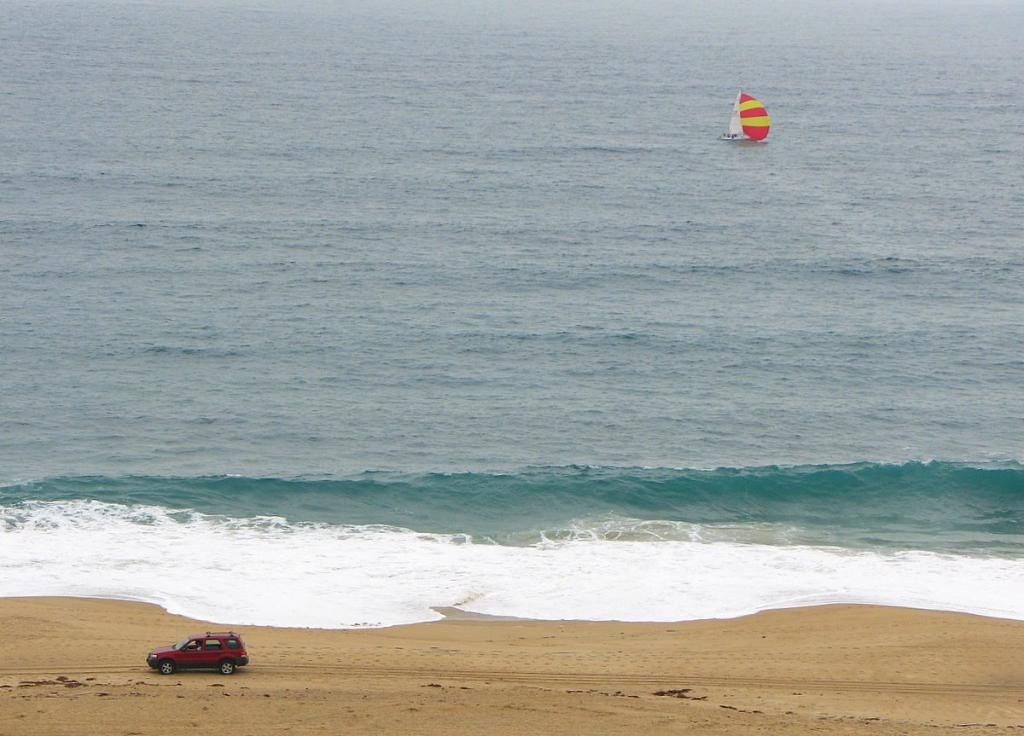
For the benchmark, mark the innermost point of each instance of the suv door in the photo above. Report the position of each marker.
(190, 656)
(213, 652)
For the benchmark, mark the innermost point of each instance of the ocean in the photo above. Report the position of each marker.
(352, 311)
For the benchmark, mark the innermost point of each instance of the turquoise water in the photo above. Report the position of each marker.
(939, 506)
(484, 274)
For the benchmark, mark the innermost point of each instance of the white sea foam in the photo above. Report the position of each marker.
(264, 570)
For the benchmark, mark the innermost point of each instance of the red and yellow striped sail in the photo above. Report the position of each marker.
(753, 117)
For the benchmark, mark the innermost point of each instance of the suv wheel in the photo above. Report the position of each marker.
(227, 667)
(166, 667)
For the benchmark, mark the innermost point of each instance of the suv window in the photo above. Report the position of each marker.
(232, 643)
(212, 644)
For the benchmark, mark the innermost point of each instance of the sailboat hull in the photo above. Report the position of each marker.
(741, 139)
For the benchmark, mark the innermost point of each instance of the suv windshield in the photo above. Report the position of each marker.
(181, 644)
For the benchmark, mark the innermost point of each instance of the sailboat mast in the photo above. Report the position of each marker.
(735, 127)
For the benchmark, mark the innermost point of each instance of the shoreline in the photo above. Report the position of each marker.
(77, 666)
(454, 613)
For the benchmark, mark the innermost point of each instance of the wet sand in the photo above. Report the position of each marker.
(77, 666)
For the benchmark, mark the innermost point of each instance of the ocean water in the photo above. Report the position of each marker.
(356, 310)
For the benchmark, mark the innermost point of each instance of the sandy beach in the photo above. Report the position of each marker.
(77, 666)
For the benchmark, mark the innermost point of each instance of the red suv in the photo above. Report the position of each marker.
(224, 652)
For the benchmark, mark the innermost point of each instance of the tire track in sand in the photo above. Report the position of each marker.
(557, 678)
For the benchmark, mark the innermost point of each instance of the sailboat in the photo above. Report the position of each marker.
(749, 121)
